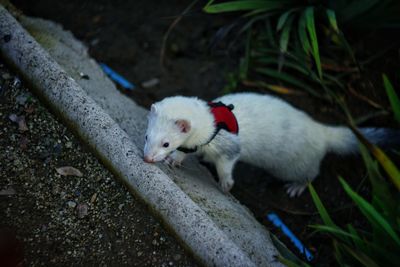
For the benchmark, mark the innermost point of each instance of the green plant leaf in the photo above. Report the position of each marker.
(284, 40)
(302, 31)
(291, 65)
(244, 66)
(285, 252)
(361, 257)
(337, 232)
(321, 208)
(309, 15)
(370, 212)
(393, 98)
(287, 262)
(389, 167)
(282, 19)
(338, 254)
(332, 19)
(244, 5)
(381, 196)
(287, 78)
(387, 164)
(358, 242)
(255, 12)
(269, 31)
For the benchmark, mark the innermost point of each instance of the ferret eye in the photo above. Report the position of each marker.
(166, 144)
(145, 137)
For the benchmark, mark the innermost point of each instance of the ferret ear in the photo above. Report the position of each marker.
(153, 108)
(183, 125)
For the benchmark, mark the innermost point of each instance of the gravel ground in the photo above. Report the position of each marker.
(70, 216)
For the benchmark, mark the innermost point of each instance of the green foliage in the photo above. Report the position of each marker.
(393, 98)
(379, 244)
(354, 247)
(296, 44)
(286, 37)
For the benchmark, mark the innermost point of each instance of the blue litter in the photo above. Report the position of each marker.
(297, 243)
(117, 77)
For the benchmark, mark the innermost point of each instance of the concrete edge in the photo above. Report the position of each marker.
(192, 225)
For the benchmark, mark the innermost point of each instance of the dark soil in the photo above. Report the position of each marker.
(127, 35)
(48, 219)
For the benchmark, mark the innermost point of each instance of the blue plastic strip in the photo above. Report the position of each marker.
(116, 77)
(297, 243)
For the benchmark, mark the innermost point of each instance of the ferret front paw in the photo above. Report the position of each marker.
(295, 189)
(170, 161)
(226, 185)
(175, 159)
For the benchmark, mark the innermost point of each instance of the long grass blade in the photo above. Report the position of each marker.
(393, 98)
(284, 40)
(287, 78)
(321, 208)
(337, 232)
(332, 19)
(338, 254)
(244, 66)
(289, 64)
(244, 6)
(285, 252)
(273, 87)
(358, 242)
(389, 167)
(370, 212)
(290, 263)
(302, 32)
(309, 15)
(282, 20)
(381, 196)
(361, 257)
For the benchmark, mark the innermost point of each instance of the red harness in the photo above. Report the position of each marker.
(223, 119)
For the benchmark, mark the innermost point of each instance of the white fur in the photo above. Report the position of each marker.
(161, 125)
(272, 135)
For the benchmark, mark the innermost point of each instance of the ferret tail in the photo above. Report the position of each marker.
(341, 140)
(385, 138)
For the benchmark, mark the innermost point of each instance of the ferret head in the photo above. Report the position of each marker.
(163, 135)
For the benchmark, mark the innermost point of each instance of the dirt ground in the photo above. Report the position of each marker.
(50, 219)
(128, 36)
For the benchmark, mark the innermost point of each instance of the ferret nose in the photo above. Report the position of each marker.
(148, 159)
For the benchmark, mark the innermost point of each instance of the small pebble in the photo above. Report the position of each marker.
(21, 99)
(93, 198)
(6, 76)
(13, 117)
(177, 257)
(150, 83)
(82, 210)
(7, 192)
(71, 204)
(68, 144)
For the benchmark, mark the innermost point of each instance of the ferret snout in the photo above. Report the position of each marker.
(148, 159)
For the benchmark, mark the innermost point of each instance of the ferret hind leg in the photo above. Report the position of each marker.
(295, 189)
(301, 177)
(224, 168)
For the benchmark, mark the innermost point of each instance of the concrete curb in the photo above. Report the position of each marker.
(195, 224)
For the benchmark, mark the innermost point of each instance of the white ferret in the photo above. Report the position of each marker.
(272, 135)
